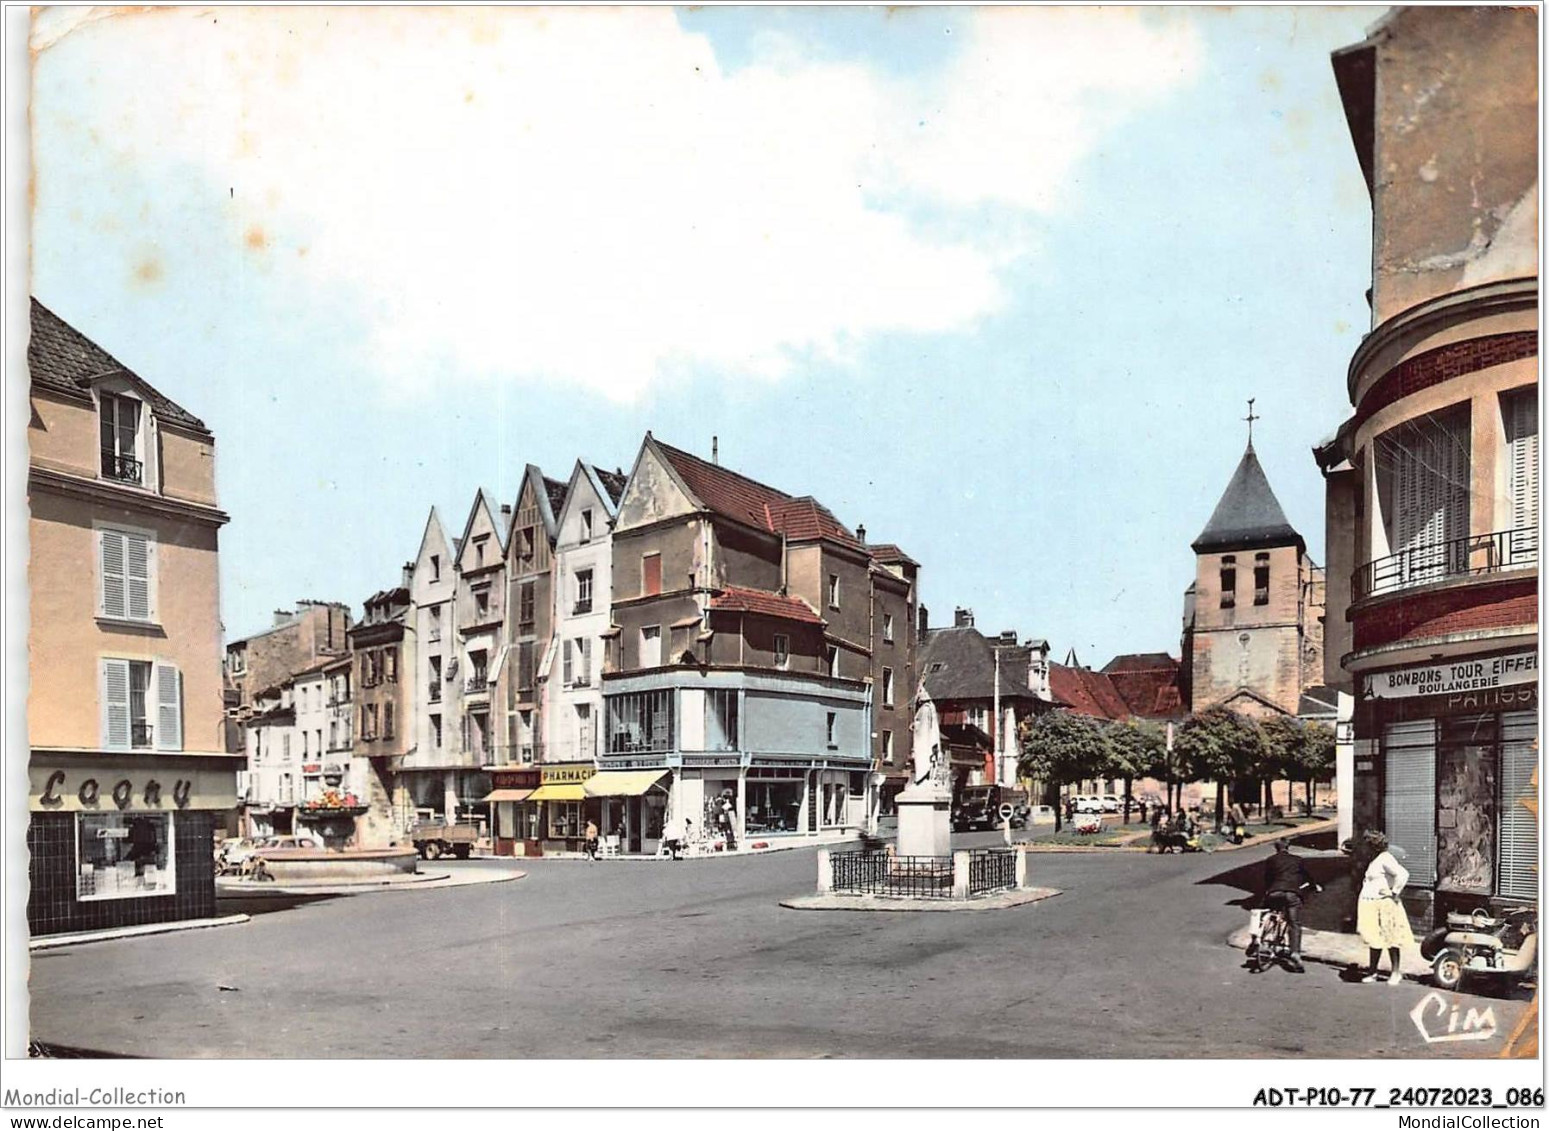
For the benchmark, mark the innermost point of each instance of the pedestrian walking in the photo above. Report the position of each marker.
(672, 839)
(1380, 918)
(591, 839)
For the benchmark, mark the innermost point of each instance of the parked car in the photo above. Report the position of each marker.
(978, 807)
(1111, 803)
(289, 842)
(233, 851)
(1089, 803)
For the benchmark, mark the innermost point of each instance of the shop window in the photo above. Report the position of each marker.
(1261, 579)
(125, 855)
(772, 806)
(835, 810)
(721, 720)
(640, 722)
(565, 819)
(126, 587)
(1229, 582)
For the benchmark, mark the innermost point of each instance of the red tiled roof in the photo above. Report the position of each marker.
(736, 599)
(1140, 661)
(806, 519)
(754, 503)
(726, 492)
(1087, 692)
(888, 553)
(1150, 693)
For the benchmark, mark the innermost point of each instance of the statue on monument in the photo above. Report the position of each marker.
(926, 743)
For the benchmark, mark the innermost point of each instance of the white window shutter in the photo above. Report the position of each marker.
(1523, 425)
(137, 576)
(569, 671)
(169, 707)
(586, 659)
(113, 588)
(115, 704)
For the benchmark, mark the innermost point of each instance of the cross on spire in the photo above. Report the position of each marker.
(1250, 418)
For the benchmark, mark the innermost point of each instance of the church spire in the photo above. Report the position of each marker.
(1250, 418)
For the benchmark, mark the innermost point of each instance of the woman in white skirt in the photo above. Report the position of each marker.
(1380, 918)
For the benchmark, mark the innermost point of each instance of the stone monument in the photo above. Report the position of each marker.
(925, 804)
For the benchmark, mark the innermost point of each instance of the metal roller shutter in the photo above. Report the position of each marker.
(1517, 854)
(1409, 798)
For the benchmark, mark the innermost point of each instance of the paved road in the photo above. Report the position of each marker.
(647, 959)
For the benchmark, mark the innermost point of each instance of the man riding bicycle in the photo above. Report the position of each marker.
(1285, 876)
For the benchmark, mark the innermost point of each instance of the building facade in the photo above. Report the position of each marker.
(128, 770)
(1432, 483)
(384, 654)
(1253, 628)
(738, 690)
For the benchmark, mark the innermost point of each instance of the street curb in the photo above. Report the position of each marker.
(75, 938)
(1132, 845)
(885, 903)
(1332, 949)
(429, 883)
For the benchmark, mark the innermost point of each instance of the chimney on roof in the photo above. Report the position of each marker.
(283, 616)
(715, 450)
(860, 534)
(408, 574)
(1038, 674)
(505, 511)
(924, 620)
(962, 618)
(1009, 638)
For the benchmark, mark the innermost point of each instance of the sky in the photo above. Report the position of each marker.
(994, 283)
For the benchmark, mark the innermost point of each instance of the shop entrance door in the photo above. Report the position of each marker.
(1467, 767)
(633, 822)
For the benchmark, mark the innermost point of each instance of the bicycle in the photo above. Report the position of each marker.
(1269, 931)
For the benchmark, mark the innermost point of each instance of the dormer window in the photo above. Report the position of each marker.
(120, 419)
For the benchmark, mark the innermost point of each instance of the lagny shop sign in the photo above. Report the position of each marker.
(1451, 679)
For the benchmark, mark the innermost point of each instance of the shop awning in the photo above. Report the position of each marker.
(623, 783)
(559, 791)
(510, 795)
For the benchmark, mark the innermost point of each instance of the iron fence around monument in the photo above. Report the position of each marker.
(990, 869)
(877, 873)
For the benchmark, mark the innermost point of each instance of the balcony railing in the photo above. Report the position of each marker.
(140, 735)
(582, 607)
(125, 469)
(1459, 557)
(477, 682)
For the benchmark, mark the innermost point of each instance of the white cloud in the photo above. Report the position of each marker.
(587, 195)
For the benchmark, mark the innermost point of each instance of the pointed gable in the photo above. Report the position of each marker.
(1248, 514)
(433, 544)
(584, 491)
(481, 524)
(653, 491)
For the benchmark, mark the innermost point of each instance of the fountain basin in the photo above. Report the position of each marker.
(332, 866)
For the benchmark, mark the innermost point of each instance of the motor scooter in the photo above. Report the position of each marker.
(1478, 943)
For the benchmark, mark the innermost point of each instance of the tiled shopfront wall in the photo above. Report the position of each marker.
(52, 906)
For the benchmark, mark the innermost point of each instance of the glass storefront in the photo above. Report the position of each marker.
(773, 806)
(125, 855)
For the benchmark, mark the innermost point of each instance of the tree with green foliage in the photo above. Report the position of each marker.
(1061, 747)
(1283, 739)
(1299, 752)
(1220, 745)
(1138, 746)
